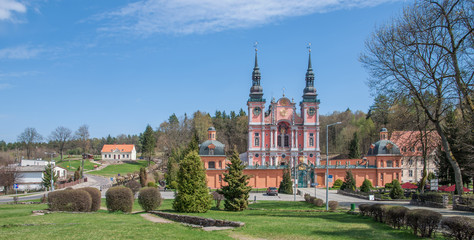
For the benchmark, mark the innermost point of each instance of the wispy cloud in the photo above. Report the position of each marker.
(6, 75)
(20, 52)
(4, 86)
(147, 17)
(9, 7)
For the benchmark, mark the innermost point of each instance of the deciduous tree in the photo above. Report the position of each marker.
(61, 135)
(29, 138)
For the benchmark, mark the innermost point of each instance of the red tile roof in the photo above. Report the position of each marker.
(409, 142)
(119, 147)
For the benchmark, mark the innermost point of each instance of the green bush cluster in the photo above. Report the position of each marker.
(366, 186)
(119, 199)
(96, 197)
(70, 200)
(333, 205)
(149, 198)
(461, 228)
(338, 183)
(318, 202)
(307, 197)
(134, 186)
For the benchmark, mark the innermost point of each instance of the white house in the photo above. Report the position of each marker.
(37, 162)
(31, 172)
(119, 152)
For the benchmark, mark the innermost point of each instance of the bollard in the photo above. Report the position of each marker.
(353, 207)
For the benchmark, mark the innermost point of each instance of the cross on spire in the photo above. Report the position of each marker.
(309, 47)
(255, 46)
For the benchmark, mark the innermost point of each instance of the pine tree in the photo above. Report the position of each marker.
(148, 143)
(349, 182)
(354, 150)
(193, 194)
(286, 185)
(143, 176)
(366, 186)
(236, 192)
(397, 191)
(47, 177)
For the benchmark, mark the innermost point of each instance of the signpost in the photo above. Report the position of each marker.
(330, 178)
(434, 184)
(16, 188)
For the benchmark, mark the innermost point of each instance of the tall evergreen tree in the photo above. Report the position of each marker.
(47, 177)
(349, 182)
(354, 150)
(193, 194)
(149, 143)
(143, 176)
(236, 192)
(286, 185)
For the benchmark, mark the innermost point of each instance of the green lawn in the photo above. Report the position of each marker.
(122, 169)
(279, 220)
(72, 165)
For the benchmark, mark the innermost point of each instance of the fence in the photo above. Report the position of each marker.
(69, 184)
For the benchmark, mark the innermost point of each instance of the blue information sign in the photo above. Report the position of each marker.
(15, 185)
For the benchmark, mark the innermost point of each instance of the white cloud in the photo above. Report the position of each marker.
(147, 17)
(7, 7)
(4, 86)
(19, 52)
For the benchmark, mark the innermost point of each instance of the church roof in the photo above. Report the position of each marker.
(383, 147)
(211, 144)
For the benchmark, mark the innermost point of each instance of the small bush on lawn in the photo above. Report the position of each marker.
(423, 221)
(378, 212)
(149, 198)
(151, 184)
(397, 191)
(307, 197)
(366, 186)
(318, 202)
(70, 200)
(119, 199)
(396, 216)
(333, 205)
(96, 197)
(338, 183)
(364, 209)
(134, 186)
(311, 199)
(458, 227)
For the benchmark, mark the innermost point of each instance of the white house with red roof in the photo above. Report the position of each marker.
(122, 152)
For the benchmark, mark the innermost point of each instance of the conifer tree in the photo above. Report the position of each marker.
(47, 177)
(354, 150)
(143, 176)
(286, 185)
(349, 182)
(193, 194)
(236, 192)
(397, 191)
(366, 186)
(148, 143)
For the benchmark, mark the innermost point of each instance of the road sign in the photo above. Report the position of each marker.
(434, 184)
(15, 186)
(330, 178)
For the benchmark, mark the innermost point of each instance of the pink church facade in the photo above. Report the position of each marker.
(283, 134)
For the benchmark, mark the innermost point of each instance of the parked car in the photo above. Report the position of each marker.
(272, 191)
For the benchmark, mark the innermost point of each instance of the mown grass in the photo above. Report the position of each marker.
(73, 165)
(273, 220)
(122, 169)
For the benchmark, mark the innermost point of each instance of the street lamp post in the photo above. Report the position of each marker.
(327, 163)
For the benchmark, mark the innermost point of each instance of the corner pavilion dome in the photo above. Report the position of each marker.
(211, 147)
(383, 146)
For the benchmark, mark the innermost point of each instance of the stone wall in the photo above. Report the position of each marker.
(463, 203)
(205, 222)
(419, 200)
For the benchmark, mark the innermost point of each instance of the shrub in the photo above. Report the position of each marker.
(134, 186)
(96, 197)
(349, 182)
(174, 185)
(366, 186)
(44, 199)
(458, 227)
(333, 205)
(151, 184)
(311, 199)
(378, 212)
(423, 221)
(396, 216)
(286, 185)
(218, 198)
(365, 209)
(70, 200)
(307, 197)
(119, 199)
(143, 176)
(389, 185)
(149, 198)
(337, 183)
(397, 191)
(318, 202)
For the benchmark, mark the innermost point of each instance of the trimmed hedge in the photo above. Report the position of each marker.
(396, 216)
(365, 209)
(70, 200)
(96, 197)
(423, 221)
(318, 202)
(378, 212)
(134, 186)
(307, 197)
(458, 227)
(333, 205)
(149, 198)
(119, 199)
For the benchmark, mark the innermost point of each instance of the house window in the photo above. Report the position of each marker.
(211, 151)
(220, 164)
(402, 173)
(311, 141)
(279, 141)
(410, 162)
(381, 177)
(127, 155)
(287, 141)
(381, 163)
(389, 164)
(257, 140)
(397, 176)
(220, 178)
(211, 164)
(410, 173)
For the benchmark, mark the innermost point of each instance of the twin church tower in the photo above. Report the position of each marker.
(281, 135)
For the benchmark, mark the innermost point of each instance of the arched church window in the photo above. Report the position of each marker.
(287, 141)
(212, 164)
(279, 141)
(311, 142)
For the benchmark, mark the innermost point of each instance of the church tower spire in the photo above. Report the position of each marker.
(309, 92)
(256, 91)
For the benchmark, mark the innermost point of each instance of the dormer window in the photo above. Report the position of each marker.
(211, 151)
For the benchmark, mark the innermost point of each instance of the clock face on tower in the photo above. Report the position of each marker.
(311, 111)
(257, 111)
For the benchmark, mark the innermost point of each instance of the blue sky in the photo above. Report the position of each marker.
(119, 65)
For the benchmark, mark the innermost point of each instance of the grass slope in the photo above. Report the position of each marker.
(122, 169)
(72, 165)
